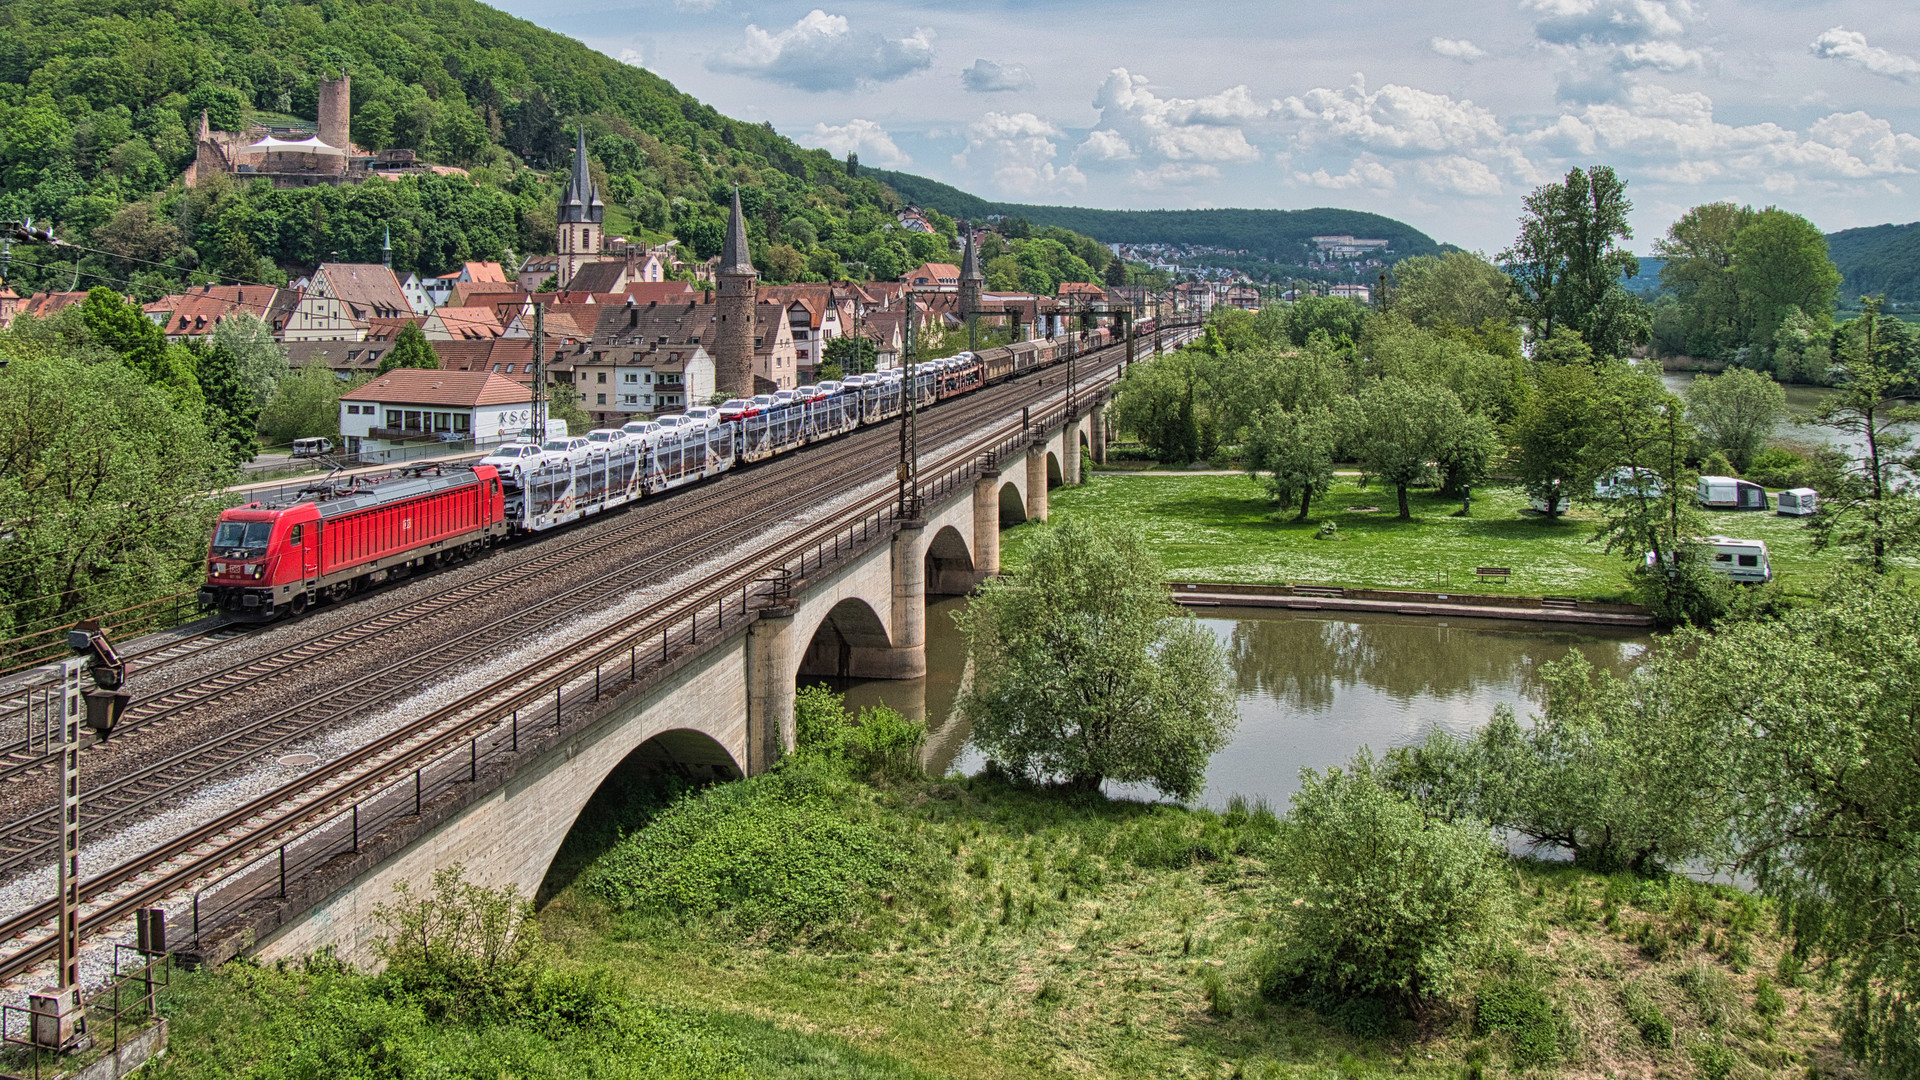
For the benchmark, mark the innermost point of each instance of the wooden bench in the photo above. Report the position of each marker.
(1489, 573)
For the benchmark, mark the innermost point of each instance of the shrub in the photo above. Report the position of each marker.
(1646, 1016)
(792, 853)
(1715, 1062)
(1767, 1002)
(878, 743)
(1387, 904)
(464, 949)
(1525, 1013)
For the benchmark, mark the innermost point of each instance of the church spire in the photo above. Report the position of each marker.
(580, 204)
(734, 256)
(386, 246)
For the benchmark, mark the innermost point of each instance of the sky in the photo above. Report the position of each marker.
(1443, 115)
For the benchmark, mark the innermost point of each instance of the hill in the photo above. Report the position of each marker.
(1878, 259)
(100, 100)
(1275, 239)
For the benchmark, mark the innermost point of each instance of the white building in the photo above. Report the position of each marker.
(409, 405)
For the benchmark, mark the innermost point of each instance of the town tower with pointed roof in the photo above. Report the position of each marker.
(733, 299)
(581, 214)
(972, 281)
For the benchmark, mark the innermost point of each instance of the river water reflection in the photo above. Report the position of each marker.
(1313, 688)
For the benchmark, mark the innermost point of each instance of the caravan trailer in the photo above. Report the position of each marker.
(1730, 493)
(1797, 502)
(1742, 561)
(1625, 482)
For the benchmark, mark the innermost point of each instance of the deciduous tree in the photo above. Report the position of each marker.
(411, 349)
(1399, 429)
(1553, 432)
(1085, 671)
(1870, 507)
(1294, 449)
(1736, 411)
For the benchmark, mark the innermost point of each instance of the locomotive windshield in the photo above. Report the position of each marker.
(239, 537)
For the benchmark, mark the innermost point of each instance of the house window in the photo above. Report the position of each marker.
(600, 399)
(412, 420)
(460, 422)
(602, 376)
(496, 369)
(393, 417)
(630, 376)
(649, 378)
(509, 369)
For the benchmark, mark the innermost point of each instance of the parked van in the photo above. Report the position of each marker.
(1743, 561)
(312, 447)
(1730, 493)
(1624, 481)
(1797, 502)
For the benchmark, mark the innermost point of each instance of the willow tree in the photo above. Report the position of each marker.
(1085, 671)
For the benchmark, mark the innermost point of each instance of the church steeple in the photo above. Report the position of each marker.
(581, 214)
(580, 203)
(386, 246)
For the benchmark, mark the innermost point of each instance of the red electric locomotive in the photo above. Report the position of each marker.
(328, 542)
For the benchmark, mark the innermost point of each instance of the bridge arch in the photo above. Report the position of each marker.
(1013, 505)
(849, 642)
(949, 564)
(1054, 476)
(670, 761)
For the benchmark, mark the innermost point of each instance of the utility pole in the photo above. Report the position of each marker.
(908, 471)
(539, 372)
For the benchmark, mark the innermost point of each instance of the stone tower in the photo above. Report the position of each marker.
(581, 213)
(336, 112)
(972, 281)
(733, 340)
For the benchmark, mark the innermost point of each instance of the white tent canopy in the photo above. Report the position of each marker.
(271, 145)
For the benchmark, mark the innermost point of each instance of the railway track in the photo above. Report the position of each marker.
(128, 797)
(184, 859)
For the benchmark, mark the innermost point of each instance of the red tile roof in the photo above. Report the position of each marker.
(413, 386)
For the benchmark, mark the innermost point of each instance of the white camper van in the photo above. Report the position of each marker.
(1623, 482)
(1797, 502)
(1730, 493)
(1744, 561)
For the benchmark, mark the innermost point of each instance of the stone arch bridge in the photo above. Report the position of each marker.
(725, 711)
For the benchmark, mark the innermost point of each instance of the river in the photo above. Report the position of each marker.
(1801, 401)
(1312, 689)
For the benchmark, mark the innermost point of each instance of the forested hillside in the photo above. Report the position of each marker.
(1881, 259)
(1280, 237)
(99, 102)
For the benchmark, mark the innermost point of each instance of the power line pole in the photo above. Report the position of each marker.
(539, 372)
(909, 424)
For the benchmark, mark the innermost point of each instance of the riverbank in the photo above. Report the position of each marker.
(1036, 936)
(1224, 528)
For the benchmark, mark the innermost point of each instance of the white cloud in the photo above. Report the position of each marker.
(987, 77)
(696, 5)
(1457, 49)
(1459, 175)
(863, 137)
(1850, 47)
(1174, 174)
(1020, 151)
(1674, 137)
(1394, 120)
(1601, 43)
(1203, 129)
(1105, 145)
(1361, 174)
(823, 52)
(634, 57)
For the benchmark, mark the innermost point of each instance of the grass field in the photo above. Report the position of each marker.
(1069, 938)
(1225, 529)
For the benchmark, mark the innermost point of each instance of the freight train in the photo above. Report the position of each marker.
(330, 541)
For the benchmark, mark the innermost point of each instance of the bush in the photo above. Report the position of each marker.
(462, 949)
(797, 852)
(1710, 991)
(1388, 904)
(877, 743)
(1715, 1062)
(1767, 1002)
(1646, 1016)
(1525, 1013)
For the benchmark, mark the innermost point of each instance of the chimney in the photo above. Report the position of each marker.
(336, 111)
